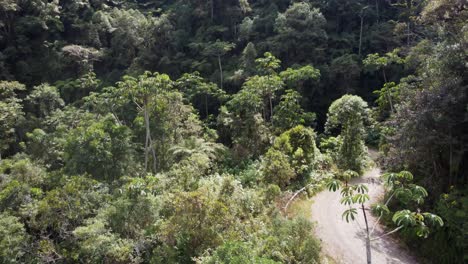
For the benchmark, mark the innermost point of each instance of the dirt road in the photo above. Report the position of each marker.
(344, 242)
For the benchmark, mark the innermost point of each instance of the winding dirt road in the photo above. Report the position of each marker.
(344, 242)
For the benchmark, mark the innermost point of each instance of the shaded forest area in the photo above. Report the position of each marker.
(170, 131)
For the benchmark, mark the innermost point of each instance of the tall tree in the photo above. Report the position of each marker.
(218, 49)
(11, 114)
(143, 90)
(301, 33)
(349, 113)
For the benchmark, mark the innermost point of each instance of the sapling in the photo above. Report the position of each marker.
(399, 186)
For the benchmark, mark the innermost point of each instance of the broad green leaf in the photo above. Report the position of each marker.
(349, 214)
(380, 209)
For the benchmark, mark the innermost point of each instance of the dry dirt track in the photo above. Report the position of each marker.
(344, 242)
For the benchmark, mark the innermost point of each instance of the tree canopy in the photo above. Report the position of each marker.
(180, 131)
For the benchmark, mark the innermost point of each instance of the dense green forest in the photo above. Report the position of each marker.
(175, 131)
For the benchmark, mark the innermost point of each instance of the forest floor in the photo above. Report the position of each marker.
(345, 242)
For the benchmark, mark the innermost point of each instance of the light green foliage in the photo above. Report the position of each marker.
(66, 207)
(123, 225)
(387, 96)
(242, 117)
(97, 243)
(47, 144)
(291, 157)
(174, 121)
(277, 169)
(163, 120)
(212, 204)
(200, 92)
(21, 183)
(266, 87)
(331, 146)
(11, 112)
(100, 148)
(143, 89)
(249, 55)
(268, 64)
(289, 113)
(13, 239)
(75, 89)
(235, 253)
(291, 242)
(45, 99)
(374, 62)
(295, 77)
(349, 114)
(193, 237)
(193, 159)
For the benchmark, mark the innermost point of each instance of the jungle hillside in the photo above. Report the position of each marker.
(233, 131)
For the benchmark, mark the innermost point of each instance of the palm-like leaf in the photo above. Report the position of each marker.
(405, 175)
(403, 194)
(433, 219)
(361, 198)
(380, 209)
(422, 230)
(346, 191)
(404, 218)
(389, 178)
(418, 190)
(418, 193)
(361, 188)
(333, 185)
(347, 175)
(195, 145)
(349, 214)
(347, 200)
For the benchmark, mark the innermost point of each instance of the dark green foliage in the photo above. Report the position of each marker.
(101, 148)
(291, 158)
(289, 113)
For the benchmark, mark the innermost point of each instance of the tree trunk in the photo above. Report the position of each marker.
(389, 96)
(377, 10)
(220, 72)
(153, 152)
(408, 34)
(212, 9)
(360, 33)
(450, 158)
(147, 136)
(206, 105)
(271, 108)
(368, 246)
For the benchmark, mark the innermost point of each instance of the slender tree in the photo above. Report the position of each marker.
(218, 49)
(349, 113)
(143, 90)
(399, 186)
